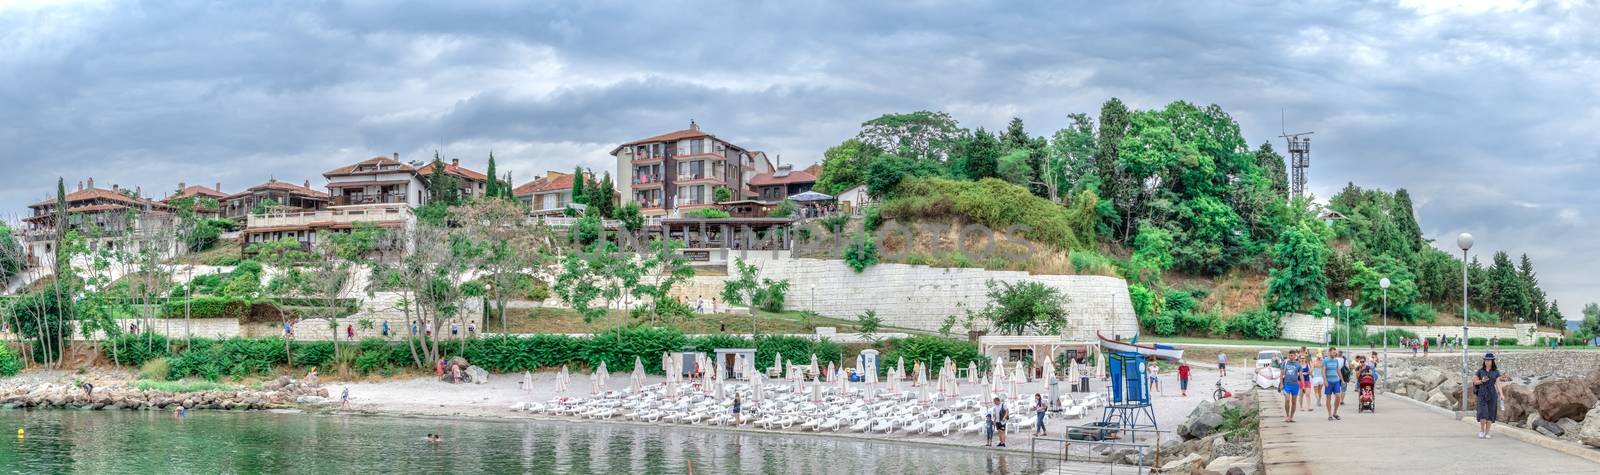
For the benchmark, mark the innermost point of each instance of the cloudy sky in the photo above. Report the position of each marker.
(1486, 111)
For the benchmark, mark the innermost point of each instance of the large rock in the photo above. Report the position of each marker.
(1548, 428)
(1590, 433)
(1516, 402)
(1568, 426)
(1184, 465)
(477, 375)
(1437, 398)
(1568, 398)
(1430, 377)
(1593, 381)
(1202, 422)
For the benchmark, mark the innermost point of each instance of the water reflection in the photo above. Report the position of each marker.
(235, 442)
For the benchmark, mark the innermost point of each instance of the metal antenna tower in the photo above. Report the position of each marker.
(1299, 159)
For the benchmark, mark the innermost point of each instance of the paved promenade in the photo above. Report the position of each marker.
(1400, 438)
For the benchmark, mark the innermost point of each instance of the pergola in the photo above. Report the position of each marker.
(730, 233)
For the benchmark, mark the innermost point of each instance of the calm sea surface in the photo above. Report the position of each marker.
(68, 441)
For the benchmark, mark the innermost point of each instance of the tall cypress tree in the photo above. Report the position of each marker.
(61, 226)
(577, 186)
(1406, 219)
(492, 190)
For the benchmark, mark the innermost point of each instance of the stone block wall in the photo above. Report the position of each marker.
(920, 297)
(1523, 332)
(1302, 327)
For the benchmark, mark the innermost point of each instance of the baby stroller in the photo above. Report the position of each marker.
(1365, 388)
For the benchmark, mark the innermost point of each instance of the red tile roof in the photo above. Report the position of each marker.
(91, 194)
(193, 190)
(351, 169)
(689, 133)
(455, 169)
(551, 181)
(275, 185)
(815, 169)
(771, 179)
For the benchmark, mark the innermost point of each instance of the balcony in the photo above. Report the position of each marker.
(366, 199)
(646, 181)
(700, 178)
(648, 158)
(331, 217)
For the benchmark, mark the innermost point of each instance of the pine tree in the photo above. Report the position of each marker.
(1406, 219)
(1272, 166)
(492, 190)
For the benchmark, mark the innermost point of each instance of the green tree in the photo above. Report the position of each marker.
(1152, 255)
(1015, 168)
(845, 165)
(1507, 285)
(920, 135)
(1272, 165)
(492, 189)
(579, 195)
(1017, 308)
(1402, 288)
(1115, 184)
(11, 254)
(1591, 319)
(1406, 219)
(632, 217)
(599, 199)
(1297, 278)
(885, 174)
(1070, 159)
(978, 156)
(750, 289)
(721, 194)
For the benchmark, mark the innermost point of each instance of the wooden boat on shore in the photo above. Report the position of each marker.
(1166, 352)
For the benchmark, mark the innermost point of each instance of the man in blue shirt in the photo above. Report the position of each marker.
(1334, 390)
(1290, 385)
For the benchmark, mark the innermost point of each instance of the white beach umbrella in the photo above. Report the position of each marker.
(777, 362)
(900, 368)
(922, 374)
(605, 375)
(1049, 370)
(1017, 378)
(814, 367)
(716, 381)
(636, 382)
(1072, 373)
(594, 383)
(527, 381)
(972, 372)
(832, 375)
(562, 380)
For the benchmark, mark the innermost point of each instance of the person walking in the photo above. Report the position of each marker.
(1039, 409)
(1486, 383)
(1333, 391)
(1345, 374)
(344, 398)
(1083, 375)
(1183, 378)
(1155, 379)
(1318, 376)
(1291, 385)
(1305, 380)
(988, 429)
(385, 329)
(1000, 414)
(349, 331)
(1222, 363)
(1425, 346)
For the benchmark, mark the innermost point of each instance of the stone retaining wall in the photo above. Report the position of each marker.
(1525, 333)
(1535, 364)
(1302, 327)
(920, 297)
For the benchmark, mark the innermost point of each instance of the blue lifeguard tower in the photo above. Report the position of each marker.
(1129, 405)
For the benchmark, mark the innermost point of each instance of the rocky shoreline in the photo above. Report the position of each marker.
(1554, 393)
(275, 394)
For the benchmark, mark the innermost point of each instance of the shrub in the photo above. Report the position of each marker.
(1144, 301)
(994, 203)
(783, 210)
(835, 223)
(10, 363)
(707, 213)
(871, 218)
(861, 253)
(1507, 341)
(180, 386)
(225, 260)
(618, 346)
(207, 306)
(1092, 263)
(313, 354)
(155, 370)
(1256, 323)
(1477, 341)
(134, 349)
(1481, 316)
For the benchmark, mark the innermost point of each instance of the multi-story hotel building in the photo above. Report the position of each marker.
(680, 171)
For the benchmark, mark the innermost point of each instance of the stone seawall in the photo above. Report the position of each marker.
(920, 297)
(1525, 333)
(1302, 327)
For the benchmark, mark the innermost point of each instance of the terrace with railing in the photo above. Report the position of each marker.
(348, 215)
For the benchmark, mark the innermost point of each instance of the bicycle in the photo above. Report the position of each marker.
(1220, 393)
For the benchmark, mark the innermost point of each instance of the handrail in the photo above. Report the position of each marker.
(1150, 449)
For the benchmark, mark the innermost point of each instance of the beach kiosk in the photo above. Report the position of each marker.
(729, 360)
(866, 362)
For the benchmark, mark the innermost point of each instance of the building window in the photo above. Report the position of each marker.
(697, 146)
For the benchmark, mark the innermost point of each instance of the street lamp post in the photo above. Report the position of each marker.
(1464, 241)
(1384, 284)
(1347, 324)
(1328, 312)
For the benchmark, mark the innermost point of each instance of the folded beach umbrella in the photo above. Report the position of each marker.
(594, 383)
(972, 372)
(1049, 371)
(1017, 378)
(900, 368)
(831, 374)
(636, 382)
(777, 362)
(604, 375)
(562, 380)
(1072, 373)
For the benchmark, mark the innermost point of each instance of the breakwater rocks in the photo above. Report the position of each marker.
(274, 394)
(1202, 445)
(1553, 393)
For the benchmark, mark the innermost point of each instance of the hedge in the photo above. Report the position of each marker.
(213, 359)
(206, 306)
